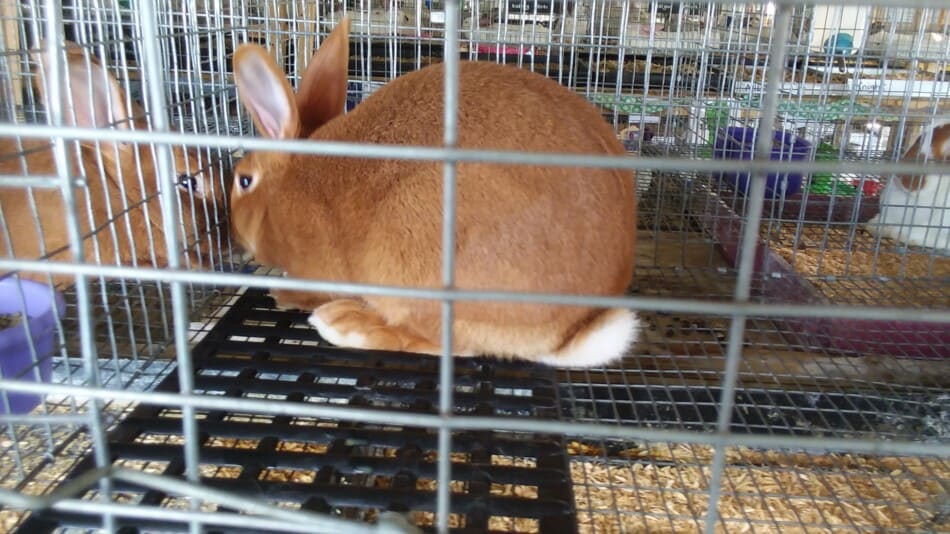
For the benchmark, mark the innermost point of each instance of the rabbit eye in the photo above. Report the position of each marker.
(245, 181)
(188, 182)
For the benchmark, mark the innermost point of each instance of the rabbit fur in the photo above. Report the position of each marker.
(379, 221)
(120, 178)
(916, 209)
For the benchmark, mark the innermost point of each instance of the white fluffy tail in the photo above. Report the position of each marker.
(605, 339)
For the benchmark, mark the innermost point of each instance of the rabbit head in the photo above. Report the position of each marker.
(119, 206)
(934, 144)
(279, 113)
(95, 99)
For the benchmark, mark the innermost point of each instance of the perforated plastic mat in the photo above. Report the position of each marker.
(348, 469)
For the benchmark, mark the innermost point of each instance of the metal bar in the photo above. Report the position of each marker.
(380, 151)
(446, 367)
(546, 426)
(203, 493)
(71, 488)
(216, 518)
(164, 168)
(57, 88)
(695, 306)
(882, 3)
(274, 517)
(750, 238)
(31, 419)
(37, 182)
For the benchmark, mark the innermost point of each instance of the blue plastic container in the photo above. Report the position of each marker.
(839, 44)
(16, 359)
(737, 142)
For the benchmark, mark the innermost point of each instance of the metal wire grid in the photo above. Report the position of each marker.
(133, 345)
(609, 396)
(109, 32)
(129, 323)
(802, 258)
(758, 490)
(592, 83)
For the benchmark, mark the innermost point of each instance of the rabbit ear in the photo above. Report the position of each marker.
(912, 182)
(265, 92)
(94, 99)
(941, 142)
(321, 95)
(939, 150)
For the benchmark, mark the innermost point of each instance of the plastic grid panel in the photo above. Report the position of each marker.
(346, 469)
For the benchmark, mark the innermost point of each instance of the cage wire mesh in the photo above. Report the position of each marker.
(793, 369)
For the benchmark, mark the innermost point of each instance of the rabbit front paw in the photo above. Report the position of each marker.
(339, 323)
(351, 323)
(285, 299)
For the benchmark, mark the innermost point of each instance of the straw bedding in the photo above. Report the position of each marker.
(853, 266)
(663, 488)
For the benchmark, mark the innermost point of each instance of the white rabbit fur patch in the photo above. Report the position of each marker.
(608, 343)
(921, 217)
(354, 340)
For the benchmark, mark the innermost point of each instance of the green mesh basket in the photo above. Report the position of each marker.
(825, 183)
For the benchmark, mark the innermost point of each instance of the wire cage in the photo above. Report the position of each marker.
(794, 358)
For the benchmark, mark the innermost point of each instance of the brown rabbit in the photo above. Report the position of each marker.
(519, 228)
(120, 188)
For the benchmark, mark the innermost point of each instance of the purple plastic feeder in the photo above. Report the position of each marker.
(16, 360)
(737, 142)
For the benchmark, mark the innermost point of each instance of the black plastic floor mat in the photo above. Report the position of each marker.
(352, 470)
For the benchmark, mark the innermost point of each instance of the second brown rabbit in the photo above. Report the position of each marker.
(119, 212)
(379, 221)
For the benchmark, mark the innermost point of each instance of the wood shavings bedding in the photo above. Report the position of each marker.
(758, 75)
(833, 250)
(636, 65)
(866, 269)
(665, 490)
(43, 471)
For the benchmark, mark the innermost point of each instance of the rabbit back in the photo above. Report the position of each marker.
(525, 228)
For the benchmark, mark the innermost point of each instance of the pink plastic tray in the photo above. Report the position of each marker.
(777, 281)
